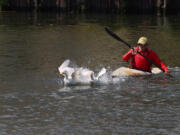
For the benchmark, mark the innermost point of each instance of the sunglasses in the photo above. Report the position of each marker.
(143, 45)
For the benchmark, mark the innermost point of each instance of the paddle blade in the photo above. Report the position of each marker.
(116, 37)
(112, 34)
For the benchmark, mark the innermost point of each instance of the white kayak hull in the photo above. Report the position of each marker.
(124, 71)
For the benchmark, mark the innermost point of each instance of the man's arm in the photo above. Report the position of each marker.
(128, 55)
(159, 62)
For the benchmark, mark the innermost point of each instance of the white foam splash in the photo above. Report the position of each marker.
(80, 75)
(84, 76)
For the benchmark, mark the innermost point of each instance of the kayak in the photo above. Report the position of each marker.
(124, 71)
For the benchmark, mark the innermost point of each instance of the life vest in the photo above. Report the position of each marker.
(140, 63)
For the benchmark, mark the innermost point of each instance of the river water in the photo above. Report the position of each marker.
(34, 101)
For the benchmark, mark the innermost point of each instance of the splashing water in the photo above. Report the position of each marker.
(84, 76)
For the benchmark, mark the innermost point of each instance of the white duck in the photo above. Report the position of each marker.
(78, 75)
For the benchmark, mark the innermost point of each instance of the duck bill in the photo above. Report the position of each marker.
(62, 74)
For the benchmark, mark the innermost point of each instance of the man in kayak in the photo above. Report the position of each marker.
(139, 62)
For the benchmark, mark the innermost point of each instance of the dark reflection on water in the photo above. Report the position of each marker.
(34, 101)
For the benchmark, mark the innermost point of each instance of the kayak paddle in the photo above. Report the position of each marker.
(119, 39)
